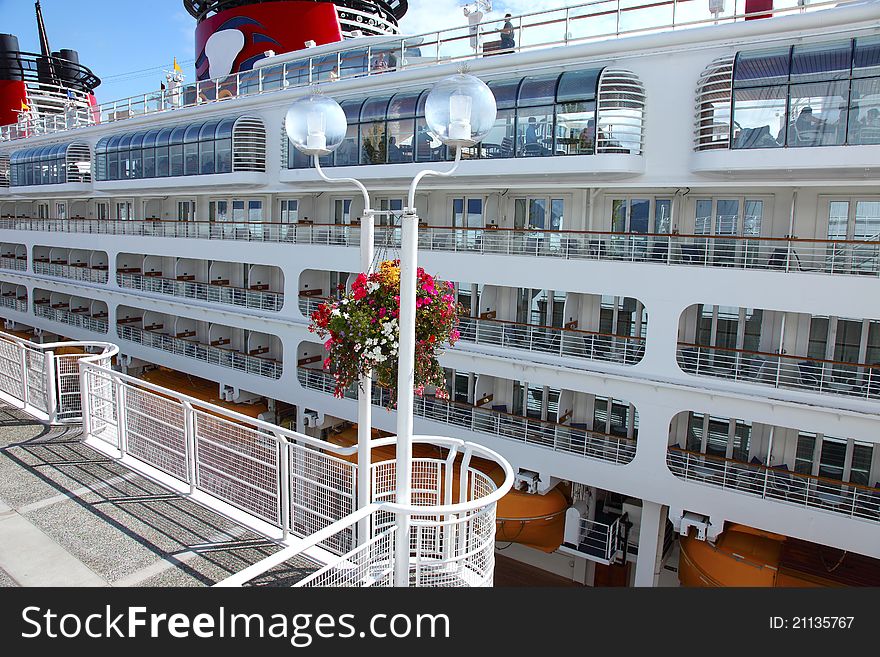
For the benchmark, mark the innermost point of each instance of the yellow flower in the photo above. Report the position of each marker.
(389, 273)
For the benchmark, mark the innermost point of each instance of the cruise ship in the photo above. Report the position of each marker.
(667, 250)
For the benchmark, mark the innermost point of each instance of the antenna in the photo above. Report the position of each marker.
(474, 12)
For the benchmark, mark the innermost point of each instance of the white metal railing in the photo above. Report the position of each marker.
(299, 486)
(581, 23)
(599, 540)
(68, 271)
(79, 319)
(625, 350)
(224, 294)
(13, 263)
(782, 370)
(207, 353)
(558, 437)
(44, 382)
(15, 303)
(846, 257)
(774, 483)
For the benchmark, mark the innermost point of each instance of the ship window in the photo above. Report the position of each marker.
(534, 132)
(162, 152)
(822, 62)
(866, 57)
(864, 112)
(505, 93)
(759, 116)
(538, 90)
(191, 150)
(818, 114)
(578, 85)
(766, 67)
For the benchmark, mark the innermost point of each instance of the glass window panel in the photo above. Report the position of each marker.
(838, 219)
(817, 114)
(373, 143)
(866, 57)
(206, 156)
(177, 135)
(832, 458)
(662, 215)
(401, 135)
(576, 128)
(534, 132)
(557, 213)
(578, 85)
(238, 211)
(537, 90)
(803, 461)
(255, 211)
(727, 217)
(537, 213)
(860, 468)
(849, 336)
(175, 160)
(759, 117)
(717, 436)
(864, 112)
(818, 337)
(149, 161)
(618, 216)
(765, 67)
(224, 128)
(500, 139)
(752, 218)
(374, 109)
(347, 153)
(821, 62)
(428, 147)
(741, 437)
(223, 155)
(191, 158)
(872, 357)
(867, 220)
(505, 92)
(403, 106)
(640, 212)
(703, 219)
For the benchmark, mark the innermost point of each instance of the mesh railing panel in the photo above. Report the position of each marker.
(322, 491)
(36, 379)
(238, 465)
(368, 565)
(67, 392)
(101, 407)
(154, 431)
(11, 375)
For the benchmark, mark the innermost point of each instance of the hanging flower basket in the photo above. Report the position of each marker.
(362, 330)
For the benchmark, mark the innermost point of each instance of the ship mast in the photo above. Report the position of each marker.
(44, 44)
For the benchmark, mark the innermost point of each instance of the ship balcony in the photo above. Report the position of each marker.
(776, 483)
(262, 362)
(534, 338)
(13, 257)
(493, 420)
(820, 256)
(214, 292)
(14, 297)
(783, 371)
(72, 310)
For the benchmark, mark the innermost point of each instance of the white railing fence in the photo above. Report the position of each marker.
(599, 540)
(224, 294)
(45, 383)
(300, 490)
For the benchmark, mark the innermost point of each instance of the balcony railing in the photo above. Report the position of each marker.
(80, 319)
(13, 263)
(782, 370)
(590, 21)
(622, 349)
(68, 271)
(213, 355)
(550, 435)
(775, 483)
(848, 257)
(626, 350)
(599, 541)
(223, 294)
(13, 302)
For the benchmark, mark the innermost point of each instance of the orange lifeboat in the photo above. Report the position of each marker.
(745, 556)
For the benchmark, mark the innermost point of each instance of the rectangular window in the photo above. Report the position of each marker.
(342, 211)
(806, 447)
(817, 114)
(255, 211)
(534, 132)
(818, 338)
(832, 458)
(290, 210)
(867, 225)
(864, 112)
(760, 113)
(860, 468)
(838, 220)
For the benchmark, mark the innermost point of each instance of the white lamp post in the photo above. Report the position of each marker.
(460, 110)
(316, 126)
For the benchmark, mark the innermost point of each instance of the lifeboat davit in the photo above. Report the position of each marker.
(533, 520)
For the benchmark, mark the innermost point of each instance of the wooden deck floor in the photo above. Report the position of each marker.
(510, 572)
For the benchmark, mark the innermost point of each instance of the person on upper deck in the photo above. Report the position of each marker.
(507, 40)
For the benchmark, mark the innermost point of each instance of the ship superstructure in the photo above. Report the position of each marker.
(668, 248)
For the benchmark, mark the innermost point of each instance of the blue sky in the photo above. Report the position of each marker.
(128, 44)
